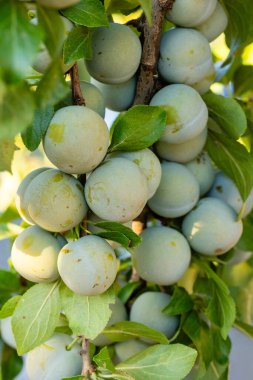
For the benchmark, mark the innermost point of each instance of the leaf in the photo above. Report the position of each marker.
(126, 292)
(147, 8)
(114, 236)
(33, 135)
(87, 315)
(9, 307)
(244, 328)
(129, 330)
(19, 40)
(160, 362)
(228, 113)
(112, 6)
(132, 237)
(78, 45)
(11, 364)
(103, 359)
(52, 87)
(9, 214)
(221, 307)
(36, 316)
(9, 282)
(7, 149)
(53, 27)
(138, 128)
(74, 378)
(239, 26)
(243, 80)
(9, 230)
(246, 243)
(233, 159)
(89, 13)
(222, 348)
(180, 302)
(16, 109)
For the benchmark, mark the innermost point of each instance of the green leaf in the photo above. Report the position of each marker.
(180, 302)
(228, 113)
(222, 348)
(147, 8)
(36, 316)
(73, 378)
(53, 27)
(132, 237)
(9, 282)
(243, 80)
(9, 307)
(221, 307)
(103, 359)
(52, 87)
(138, 128)
(160, 362)
(244, 328)
(9, 214)
(87, 315)
(33, 135)
(198, 331)
(7, 149)
(19, 40)
(9, 230)
(78, 45)
(246, 242)
(233, 159)
(126, 292)
(10, 364)
(89, 13)
(16, 109)
(112, 6)
(114, 236)
(129, 330)
(238, 32)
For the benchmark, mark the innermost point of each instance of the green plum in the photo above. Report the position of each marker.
(124, 350)
(177, 193)
(202, 168)
(117, 190)
(212, 228)
(88, 266)
(215, 24)
(6, 332)
(116, 54)
(163, 256)
(55, 201)
(76, 140)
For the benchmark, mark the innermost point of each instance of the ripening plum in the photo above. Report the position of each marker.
(117, 190)
(116, 54)
(187, 113)
(20, 204)
(55, 201)
(119, 314)
(118, 97)
(163, 255)
(58, 4)
(190, 13)
(124, 350)
(177, 193)
(6, 332)
(76, 140)
(88, 266)
(148, 164)
(215, 24)
(239, 256)
(94, 98)
(52, 361)
(225, 189)
(43, 58)
(212, 227)
(147, 309)
(184, 152)
(185, 56)
(203, 170)
(34, 255)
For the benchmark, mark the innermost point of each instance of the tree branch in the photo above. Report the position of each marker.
(77, 95)
(88, 368)
(150, 54)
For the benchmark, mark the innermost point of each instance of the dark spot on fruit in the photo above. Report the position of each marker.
(219, 250)
(219, 189)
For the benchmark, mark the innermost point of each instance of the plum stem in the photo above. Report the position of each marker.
(88, 369)
(77, 95)
(151, 41)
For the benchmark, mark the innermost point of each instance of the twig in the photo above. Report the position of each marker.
(88, 368)
(148, 68)
(77, 95)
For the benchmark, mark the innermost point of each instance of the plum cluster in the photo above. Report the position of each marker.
(175, 180)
